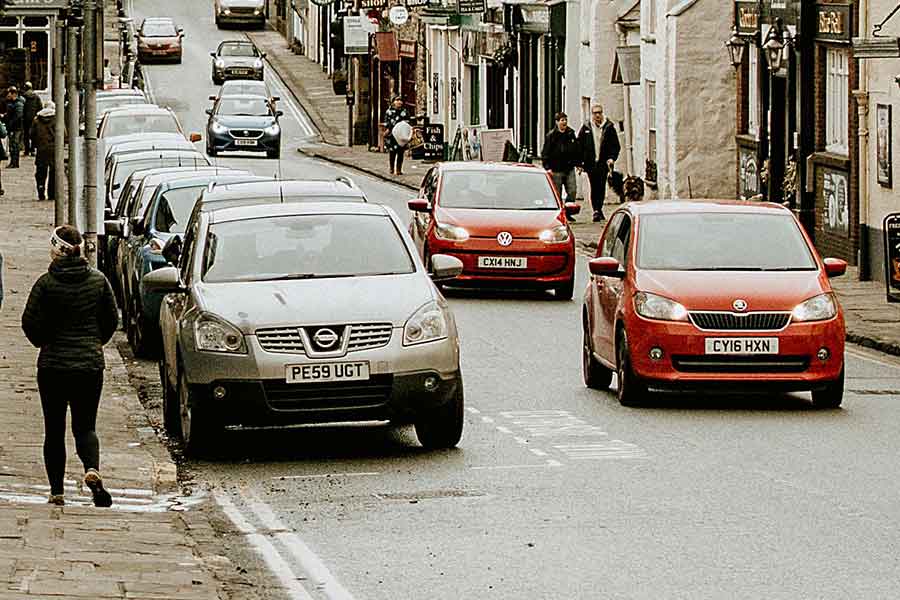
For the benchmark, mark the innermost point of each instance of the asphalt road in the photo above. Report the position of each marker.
(556, 491)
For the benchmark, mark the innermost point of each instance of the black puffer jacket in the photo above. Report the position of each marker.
(70, 315)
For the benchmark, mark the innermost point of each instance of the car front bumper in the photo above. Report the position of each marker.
(547, 265)
(241, 18)
(150, 54)
(225, 142)
(228, 73)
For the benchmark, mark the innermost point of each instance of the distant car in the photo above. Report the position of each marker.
(139, 119)
(159, 38)
(240, 12)
(236, 59)
(245, 123)
(730, 296)
(244, 345)
(246, 87)
(505, 222)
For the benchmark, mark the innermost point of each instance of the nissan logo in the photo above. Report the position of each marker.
(739, 305)
(325, 338)
(504, 238)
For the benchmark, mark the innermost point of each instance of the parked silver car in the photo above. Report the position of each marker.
(278, 314)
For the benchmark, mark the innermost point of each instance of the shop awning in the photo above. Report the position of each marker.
(387, 49)
(627, 67)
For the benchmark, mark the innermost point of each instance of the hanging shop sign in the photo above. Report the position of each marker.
(892, 256)
(416, 3)
(836, 202)
(471, 6)
(407, 48)
(535, 18)
(398, 15)
(834, 22)
(746, 17)
(356, 38)
(370, 4)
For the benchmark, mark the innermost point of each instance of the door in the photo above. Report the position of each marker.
(609, 289)
(174, 306)
(422, 220)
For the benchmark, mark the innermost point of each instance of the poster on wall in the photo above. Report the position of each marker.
(493, 142)
(892, 256)
(749, 171)
(835, 194)
(883, 141)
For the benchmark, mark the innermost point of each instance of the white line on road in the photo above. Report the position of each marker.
(537, 452)
(503, 429)
(487, 419)
(472, 410)
(866, 356)
(326, 475)
(287, 97)
(500, 467)
(521, 440)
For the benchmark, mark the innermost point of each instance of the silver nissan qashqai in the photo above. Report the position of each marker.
(306, 313)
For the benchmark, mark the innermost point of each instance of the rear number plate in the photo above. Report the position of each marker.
(327, 372)
(742, 345)
(502, 262)
(244, 142)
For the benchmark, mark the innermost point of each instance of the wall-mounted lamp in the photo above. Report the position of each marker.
(777, 40)
(735, 45)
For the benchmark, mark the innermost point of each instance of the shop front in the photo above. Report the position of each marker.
(393, 71)
(26, 42)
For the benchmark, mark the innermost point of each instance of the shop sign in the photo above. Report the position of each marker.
(416, 3)
(38, 4)
(370, 4)
(398, 15)
(746, 17)
(535, 18)
(407, 48)
(433, 138)
(749, 174)
(356, 39)
(892, 256)
(836, 202)
(435, 93)
(833, 22)
(471, 6)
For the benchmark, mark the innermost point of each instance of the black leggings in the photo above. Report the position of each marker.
(81, 390)
(396, 156)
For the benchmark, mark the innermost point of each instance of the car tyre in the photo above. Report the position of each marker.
(566, 290)
(171, 417)
(631, 391)
(831, 395)
(596, 375)
(200, 427)
(441, 427)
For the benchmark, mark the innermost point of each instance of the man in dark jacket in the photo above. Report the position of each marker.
(600, 148)
(15, 115)
(33, 106)
(43, 134)
(561, 155)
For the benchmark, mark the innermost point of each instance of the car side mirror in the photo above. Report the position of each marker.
(163, 281)
(113, 228)
(445, 267)
(195, 137)
(835, 267)
(137, 226)
(213, 98)
(213, 54)
(572, 209)
(605, 267)
(172, 250)
(262, 55)
(276, 98)
(419, 205)
(116, 186)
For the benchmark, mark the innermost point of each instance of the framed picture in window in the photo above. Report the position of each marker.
(883, 144)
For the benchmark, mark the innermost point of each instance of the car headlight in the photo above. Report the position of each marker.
(213, 334)
(450, 232)
(257, 64)
(555, 235)
(218, 128)
(220, 64)
(273, 129)
(818, 308)
(156, 246)
(257, 12)
(227, 11)
(651, 306)
(427, 324)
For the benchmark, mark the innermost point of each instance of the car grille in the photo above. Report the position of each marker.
(242, 10)
(363, 336)
(726, 321)
(740, 364)
(328, 396)
(246, 134)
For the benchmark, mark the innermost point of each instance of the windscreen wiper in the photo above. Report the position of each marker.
(725, 269)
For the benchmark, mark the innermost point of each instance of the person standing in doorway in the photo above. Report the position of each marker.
(33, 106)
(396, 113)
(600, 148)
(70, 315)
(43, 135)
(560, 155)
(15, 116)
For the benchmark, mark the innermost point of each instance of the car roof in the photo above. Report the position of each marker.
(487, 166)
(127, 107)
(343, 186)
(157, 20)
(242, 95)
(227, 176)
(132, 147)
(162, 175)
(144, 109)
(161, 153)
(150, 137)
(240, 42)
(241, 213)
(704, 206)
(120, 92)
(242, 83)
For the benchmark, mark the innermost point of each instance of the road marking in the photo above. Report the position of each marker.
(866, 356)
(546, 423)
(538, 452)
(472, 410)
(487, 419)
(502, 429)
(326, 475)
(603, 450)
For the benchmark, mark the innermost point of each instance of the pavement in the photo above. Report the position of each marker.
(150, 544)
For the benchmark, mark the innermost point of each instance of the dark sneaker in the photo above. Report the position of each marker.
(93, 480)
(57, 499)
(598, 216)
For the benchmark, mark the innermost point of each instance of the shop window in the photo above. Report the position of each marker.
(837, 100)
(650, 174)
(8, 40)
(38, 47)
(7, 21)
(753, 91)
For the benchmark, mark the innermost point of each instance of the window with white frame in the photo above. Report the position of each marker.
(837, 100)
(753, 91)
(651, 130)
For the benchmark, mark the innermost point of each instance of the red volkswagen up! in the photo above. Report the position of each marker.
(692, 295)
(504, 221)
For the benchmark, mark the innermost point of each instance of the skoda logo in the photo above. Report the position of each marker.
(325, 338)
(504, 238)
(739, 305)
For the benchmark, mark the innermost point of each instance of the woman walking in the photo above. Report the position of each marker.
(393, 115)
(70, 315)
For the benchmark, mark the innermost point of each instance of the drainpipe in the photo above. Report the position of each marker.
(626, 94)
(862, 106)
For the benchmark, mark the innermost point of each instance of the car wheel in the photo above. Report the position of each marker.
(218, 22)
(631, 391)
(216, 80)
(442, 427)
(831, 395)
(199, 427)
(171, 418)
(566, 290)
(596, 376)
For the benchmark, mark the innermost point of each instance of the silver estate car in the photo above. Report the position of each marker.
(306, 313)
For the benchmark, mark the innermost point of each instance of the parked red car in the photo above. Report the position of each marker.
(504, 221)
(692, 295)
(159, 38)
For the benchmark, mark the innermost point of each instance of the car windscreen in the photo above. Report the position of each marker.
(127, 123)
(304, 247)
(237, 50)
(105, 104)
(247, 107)
(173, 209)
(497, 190)
(159, 29)
(722, 241)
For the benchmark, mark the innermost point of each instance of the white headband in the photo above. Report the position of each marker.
(60, 246)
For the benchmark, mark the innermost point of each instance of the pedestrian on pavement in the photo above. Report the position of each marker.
(599, 150)
(395, 114)
(33, 106)
(560, 155)
(71, 314)
(3, 154)
(15, 116)
(43, 134)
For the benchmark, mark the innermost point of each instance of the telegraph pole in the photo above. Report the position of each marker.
(59, 98)
(89, 51)
(72, 116)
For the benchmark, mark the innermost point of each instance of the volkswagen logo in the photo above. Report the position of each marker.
(739, 305)
(504, 238)
(325, 338)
